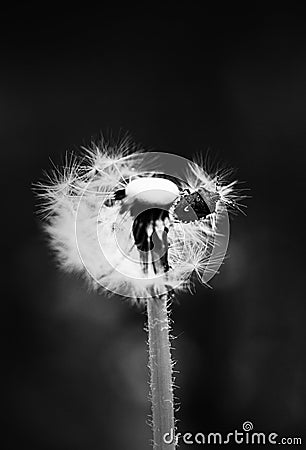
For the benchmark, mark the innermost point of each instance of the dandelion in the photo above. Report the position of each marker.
(132, 227)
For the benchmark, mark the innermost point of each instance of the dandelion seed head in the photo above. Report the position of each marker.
(130, 230)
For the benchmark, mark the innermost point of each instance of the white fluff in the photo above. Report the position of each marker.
(84, 232)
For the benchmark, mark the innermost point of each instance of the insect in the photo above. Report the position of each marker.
(193, 206)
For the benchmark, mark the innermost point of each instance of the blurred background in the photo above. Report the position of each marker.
(179, 81)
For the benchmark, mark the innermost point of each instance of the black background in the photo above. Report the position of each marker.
(180, 81)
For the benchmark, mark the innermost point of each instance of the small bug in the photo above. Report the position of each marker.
(193, 206)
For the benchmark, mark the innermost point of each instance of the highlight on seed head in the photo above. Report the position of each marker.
(136, 223)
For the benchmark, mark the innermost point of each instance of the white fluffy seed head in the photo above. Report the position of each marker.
(90, 230)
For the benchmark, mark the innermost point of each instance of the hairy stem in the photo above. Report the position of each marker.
(161, 372)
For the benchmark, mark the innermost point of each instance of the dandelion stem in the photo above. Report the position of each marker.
(161, 372)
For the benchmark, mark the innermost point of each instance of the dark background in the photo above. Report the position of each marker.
(182, 82)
